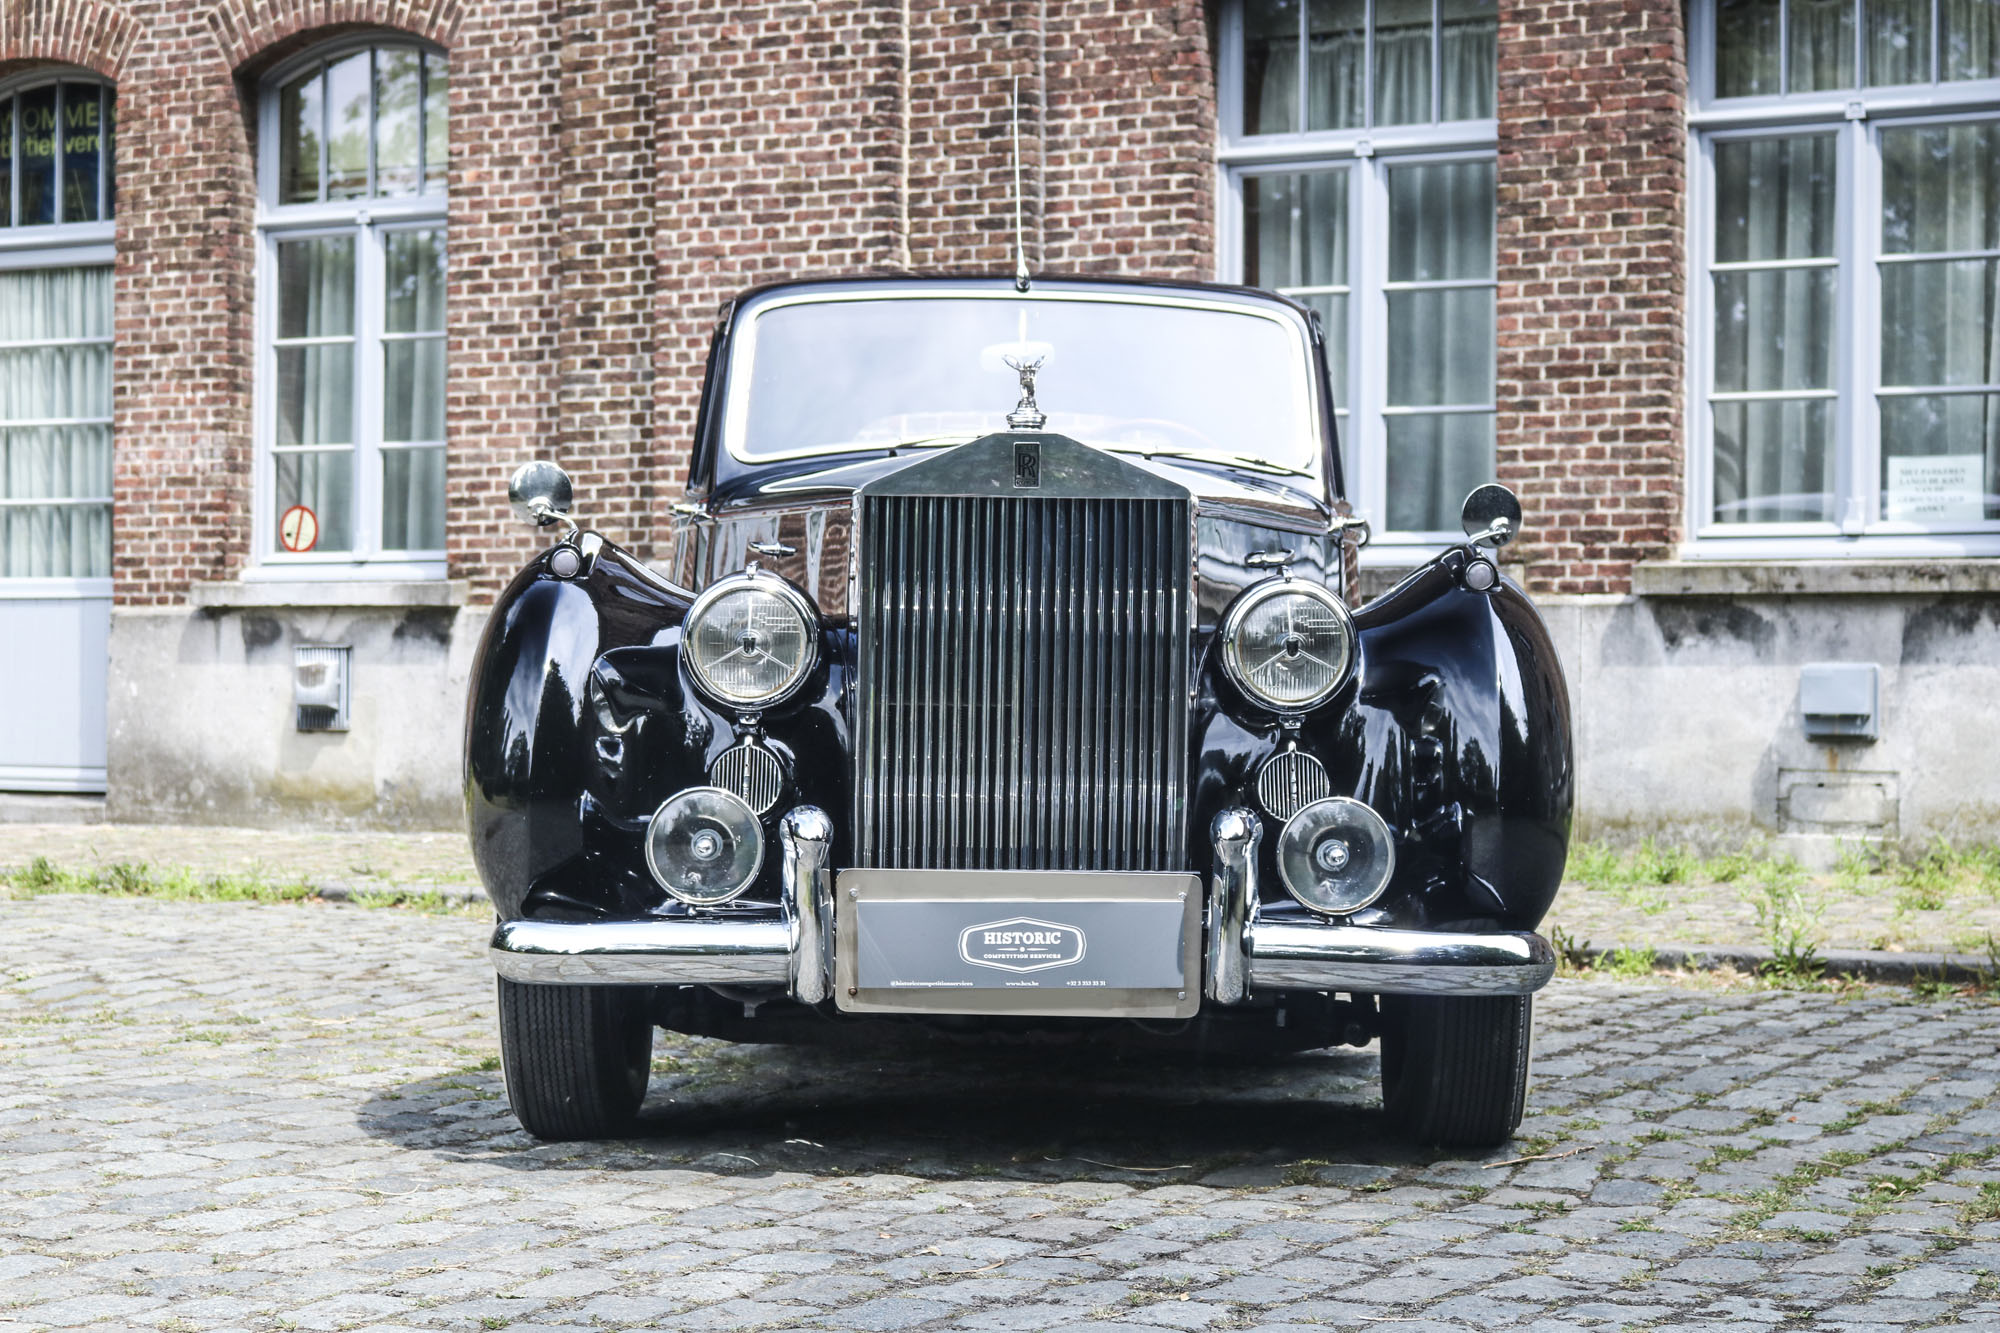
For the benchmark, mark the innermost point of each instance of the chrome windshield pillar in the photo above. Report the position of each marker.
(1232, 904)
(805, 839)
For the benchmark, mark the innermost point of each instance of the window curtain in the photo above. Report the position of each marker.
(1941, 317)
(1440, 351)
(1774, 329)
(1970, 39)
(1467, 77)
(316, 385)
(55, 430)
(1822, 39)
(1336, 67)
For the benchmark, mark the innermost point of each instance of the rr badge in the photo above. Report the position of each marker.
(1027, 465)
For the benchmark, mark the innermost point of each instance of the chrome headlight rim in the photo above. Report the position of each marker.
(1231, 642)
(1364, 814)
(659, 874)
(761, 581)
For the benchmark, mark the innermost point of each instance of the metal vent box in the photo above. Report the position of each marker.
(1840, 700)
(319, 687)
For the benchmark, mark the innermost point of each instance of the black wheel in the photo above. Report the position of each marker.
(1455, 1069)
(576, 1057)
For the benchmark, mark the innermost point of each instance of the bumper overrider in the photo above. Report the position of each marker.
(1244, 956)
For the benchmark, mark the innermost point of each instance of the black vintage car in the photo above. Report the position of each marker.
(945, 718)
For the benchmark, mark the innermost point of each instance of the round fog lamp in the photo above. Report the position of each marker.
(705, 846)
(1336, 855)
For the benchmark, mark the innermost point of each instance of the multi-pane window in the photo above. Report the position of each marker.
(1358, 150)
(353, 308)
(55, 329)
(1848, 312)
(55, 153)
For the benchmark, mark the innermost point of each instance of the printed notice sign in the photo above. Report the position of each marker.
(1940, 488)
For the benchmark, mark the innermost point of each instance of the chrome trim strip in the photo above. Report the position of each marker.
(1369, 960)
(1232, 904)
(805, 838)
(687, 950)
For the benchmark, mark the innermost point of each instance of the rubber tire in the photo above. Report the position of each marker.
(576, 1058)
(1455, 1068)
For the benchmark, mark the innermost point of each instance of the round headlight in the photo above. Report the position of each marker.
(704, 846)
(1336, 855)
(750, 640)
(1288, 645)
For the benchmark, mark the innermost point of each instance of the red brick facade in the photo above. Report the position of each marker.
(621, 167)
(1592, 193)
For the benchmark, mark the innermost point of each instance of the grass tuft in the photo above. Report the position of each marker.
(137, 879)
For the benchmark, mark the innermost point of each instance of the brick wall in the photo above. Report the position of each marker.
(798, 140)
(1592, 276)
(619, 169)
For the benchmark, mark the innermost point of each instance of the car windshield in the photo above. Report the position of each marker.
(1147, 377)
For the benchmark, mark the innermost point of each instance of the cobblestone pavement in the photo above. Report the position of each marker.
(1873, 913)
(286, 1116)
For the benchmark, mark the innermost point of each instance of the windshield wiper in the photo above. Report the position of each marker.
(1233, 460)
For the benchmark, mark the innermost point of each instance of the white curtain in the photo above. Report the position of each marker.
(1774, 329)
(55, 432)
(1336, 60)
(1822, 40)
(316, 386)
(1941, 317)
(413, 391)
(1440, 351)
(1970, 39)
(1899, 42)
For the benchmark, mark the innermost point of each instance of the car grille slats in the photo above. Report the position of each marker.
(1022, 683)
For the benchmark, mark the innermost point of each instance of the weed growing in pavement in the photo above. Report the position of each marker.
(1628, 961)
(1571, 954)
(1856, 862)
(1985, 1208)
(1788, 916)
(128, 879)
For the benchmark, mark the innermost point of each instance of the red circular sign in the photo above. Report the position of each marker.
(298, 529)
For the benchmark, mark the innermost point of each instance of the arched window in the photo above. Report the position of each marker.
(351, 310)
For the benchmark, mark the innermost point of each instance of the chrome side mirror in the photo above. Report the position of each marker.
(1491, 516)
(541, 494)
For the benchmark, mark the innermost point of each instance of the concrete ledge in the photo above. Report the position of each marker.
(50, 808)
(1827, 577)
(232, 595)
(1861, 964)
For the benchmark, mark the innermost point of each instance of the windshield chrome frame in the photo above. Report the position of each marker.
(743, 348)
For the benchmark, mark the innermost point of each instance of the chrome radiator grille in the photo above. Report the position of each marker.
(1023, 690)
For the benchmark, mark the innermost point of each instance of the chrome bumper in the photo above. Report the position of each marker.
(794, 952)
(1246, 955)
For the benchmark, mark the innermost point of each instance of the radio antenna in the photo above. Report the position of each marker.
(1020, 235)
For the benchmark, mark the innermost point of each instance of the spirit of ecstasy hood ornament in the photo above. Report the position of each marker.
(1026, 416)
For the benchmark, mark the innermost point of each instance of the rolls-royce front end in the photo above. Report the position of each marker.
(931, 718)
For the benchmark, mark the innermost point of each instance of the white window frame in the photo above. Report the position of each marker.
(1361, 411)
(370, 220)
(1856, 118)
(60, 245)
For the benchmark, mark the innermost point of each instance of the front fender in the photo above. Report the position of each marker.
(1455, 729)
(530, 758)
(1465, 690)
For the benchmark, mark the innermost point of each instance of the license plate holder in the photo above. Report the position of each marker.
(1097, 944)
